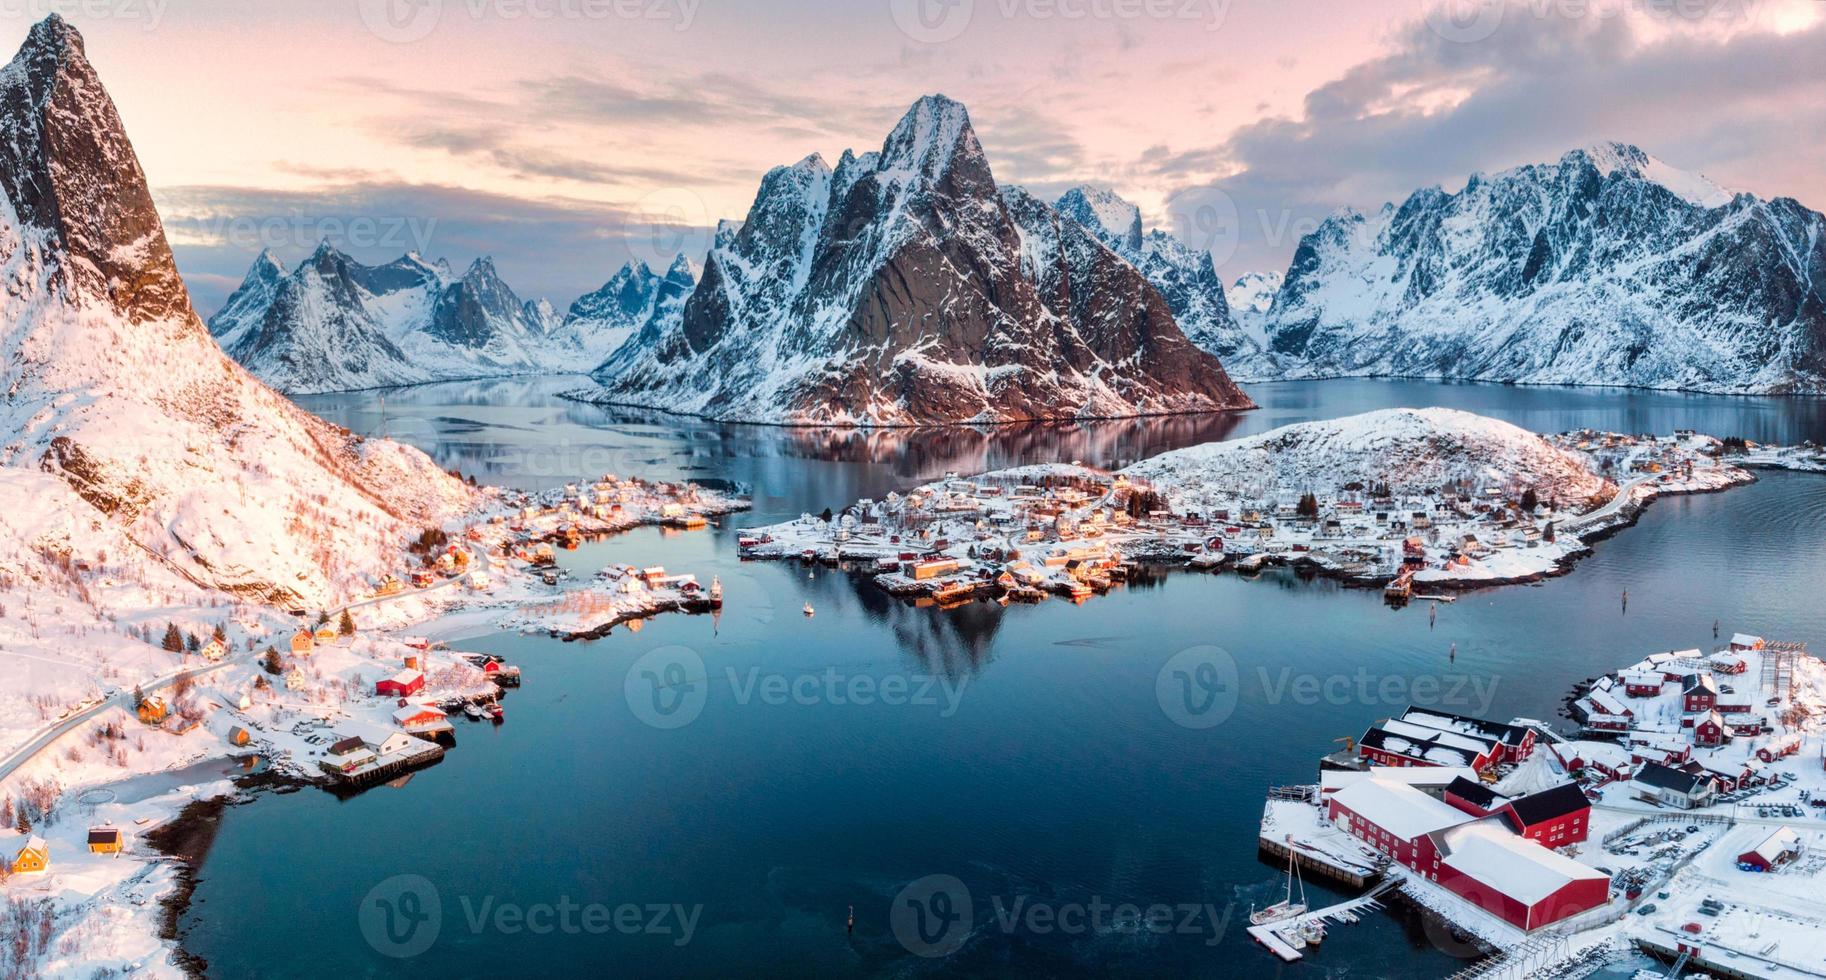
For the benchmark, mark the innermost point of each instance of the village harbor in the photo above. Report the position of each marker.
(1685, 818)
(1029, 533)
(346, 698)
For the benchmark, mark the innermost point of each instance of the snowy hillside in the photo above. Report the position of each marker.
(334, 324)
(165, 458)
(1183, 275)
(1609, 267)
(1411, 450)
(902, 288)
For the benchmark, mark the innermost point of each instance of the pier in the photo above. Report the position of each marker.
(1282, 938)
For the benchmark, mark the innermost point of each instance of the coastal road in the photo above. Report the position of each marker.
(123, 699)
(1611, 506)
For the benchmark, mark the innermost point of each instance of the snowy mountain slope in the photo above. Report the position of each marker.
(1183, 275)
(898, 288)
(118, 393)
(334, 324)
(1253, 292)
(1608, 267)
(1411, 450)
(636, 301)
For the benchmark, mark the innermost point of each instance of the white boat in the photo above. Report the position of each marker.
(808, 609)
(1286, 908)
(473, 710)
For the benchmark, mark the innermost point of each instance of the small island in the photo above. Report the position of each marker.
(1415, 501)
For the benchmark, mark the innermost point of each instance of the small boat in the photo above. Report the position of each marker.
(1286, 908)
(473, 710)
(495, 711)
(1312, 931)
(808, 609)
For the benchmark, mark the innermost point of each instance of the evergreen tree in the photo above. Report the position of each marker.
(6, 812)
(272, 663)
(192, 644)
(1530, 500)
(1308, 506)
(174, 638)
(220, 634)
(139, 696)
(347, 626)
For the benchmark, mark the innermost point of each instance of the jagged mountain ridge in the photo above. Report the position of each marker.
(335, 324)
(635, 303)
(1184, 275)
(120, 401)
(901, 287)
(1608, 267)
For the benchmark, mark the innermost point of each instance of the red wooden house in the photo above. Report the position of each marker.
(404, 684)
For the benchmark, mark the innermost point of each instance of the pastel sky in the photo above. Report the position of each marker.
(565, 136)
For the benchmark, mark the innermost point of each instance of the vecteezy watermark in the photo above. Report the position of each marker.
(403, 916)
(149, 13)
(1198, 687)
(934, 916)
(406, 21)
(668, 688)
(1471, 693)
(938, 21)
(401, 233)
(1201, 686)
(1469, 21)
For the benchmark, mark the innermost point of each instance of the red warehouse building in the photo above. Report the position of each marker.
(1513, 878)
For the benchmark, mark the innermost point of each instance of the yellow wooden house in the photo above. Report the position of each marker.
(154, 710)
(104, 840)
(302, 642)
(35, 855)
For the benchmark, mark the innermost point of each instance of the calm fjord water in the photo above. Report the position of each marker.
(1041, 768)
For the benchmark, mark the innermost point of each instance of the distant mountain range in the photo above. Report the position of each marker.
(906, 286)
(1609, 267)
(334, 324)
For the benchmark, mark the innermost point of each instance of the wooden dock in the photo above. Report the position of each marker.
(1274, 935)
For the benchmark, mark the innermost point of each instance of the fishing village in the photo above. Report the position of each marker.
(1029, 533)
(345, 698)
(1684, 816)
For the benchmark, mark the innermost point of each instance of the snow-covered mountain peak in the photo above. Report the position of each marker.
(116, 394)
(1104, 213)
(906, 288)
(75, 186)
(1611, 157)
(931, 134)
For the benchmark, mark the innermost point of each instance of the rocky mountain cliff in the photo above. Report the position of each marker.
(1185, 276)
(1608, 267)
(118, 398)
(904, 287)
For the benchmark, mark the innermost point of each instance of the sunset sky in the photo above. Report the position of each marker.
(563, 136)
